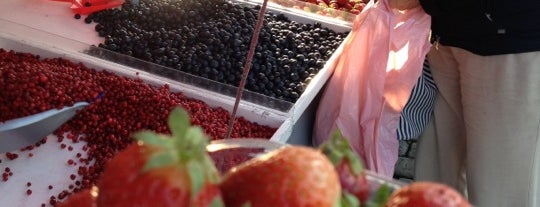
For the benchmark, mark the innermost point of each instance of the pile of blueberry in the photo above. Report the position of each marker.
(210, 39)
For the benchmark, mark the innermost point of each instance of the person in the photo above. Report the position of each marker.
(419, 108)
(485, 61)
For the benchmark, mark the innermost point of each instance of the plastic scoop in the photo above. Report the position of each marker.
(85, 7)
(97, 6)
(21, 132)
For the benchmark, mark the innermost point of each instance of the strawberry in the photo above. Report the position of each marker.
(334, 4)
(290, 176)
(84, 198)
(347, 6)
(342, 2)
(359, 6)
(354, 2)
(322, 3)
(426, 194)
(162, 170)
(355, 11)
(352, 177)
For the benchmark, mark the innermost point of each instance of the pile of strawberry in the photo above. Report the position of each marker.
(340, 9)
(175, 170)
(351, 6)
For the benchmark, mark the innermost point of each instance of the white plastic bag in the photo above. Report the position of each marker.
(372, 81)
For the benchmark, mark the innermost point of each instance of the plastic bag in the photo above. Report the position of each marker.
(372, 81)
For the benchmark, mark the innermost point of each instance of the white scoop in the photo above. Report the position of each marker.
(21, 132)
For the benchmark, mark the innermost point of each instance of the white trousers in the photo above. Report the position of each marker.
(487, 124)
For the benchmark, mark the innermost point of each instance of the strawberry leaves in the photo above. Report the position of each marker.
(178, 122)
(354, 184)
(349, 200)
(196, 177)
(159, 160)
(381, 196)
(217, 202)
(184, 148)
(338, 149)
(153, 139)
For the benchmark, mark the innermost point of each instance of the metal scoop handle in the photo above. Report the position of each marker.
(21, 132)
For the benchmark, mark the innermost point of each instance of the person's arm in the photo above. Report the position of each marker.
(403, 4)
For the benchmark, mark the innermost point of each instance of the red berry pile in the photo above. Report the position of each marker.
(340, 9)
(352, 6)
(30, 84)
(228, 158)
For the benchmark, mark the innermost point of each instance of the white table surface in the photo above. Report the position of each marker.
(51, 16)
(48, 165)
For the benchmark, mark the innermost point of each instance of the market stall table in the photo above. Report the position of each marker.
(57, 18)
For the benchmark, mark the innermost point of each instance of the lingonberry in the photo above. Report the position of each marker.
(105, 126)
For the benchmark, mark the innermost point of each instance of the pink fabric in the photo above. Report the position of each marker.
(373, 78)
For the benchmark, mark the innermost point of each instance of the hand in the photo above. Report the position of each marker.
(403, 4)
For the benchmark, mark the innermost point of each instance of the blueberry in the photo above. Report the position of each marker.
(87, 20)
(212, 41)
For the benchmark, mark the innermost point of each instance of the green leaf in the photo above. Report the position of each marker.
(342, 145)
(334, 155)
(383, 193)
(211, 172)
(381, 196)
(178, 122)
(159, 160)
(217, 202)
(338, 148)
(153, 139)
(196, 139)
(349, 200)
(345, 147)
(247, 204)
(186, 149)
(354, 162)
(196, 177)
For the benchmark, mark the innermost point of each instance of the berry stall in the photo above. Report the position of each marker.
(132, 62)
(295, 48)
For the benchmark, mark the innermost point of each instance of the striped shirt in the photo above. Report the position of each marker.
(418, 110)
